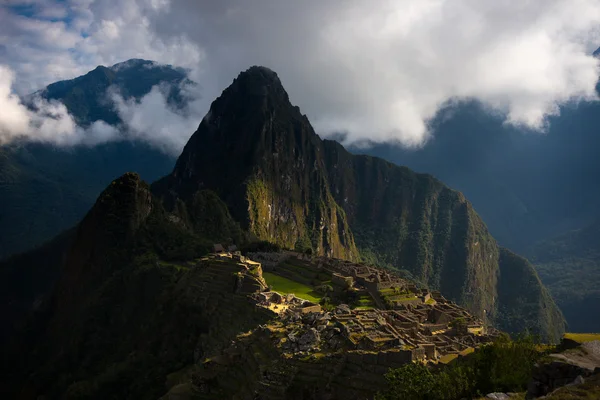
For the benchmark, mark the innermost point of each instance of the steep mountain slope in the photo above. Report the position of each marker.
(121, 314)
(414, 222)
(569, 265)
(523, 301)
(262, 157)
(44, 190)
(285, 185)
(511, 176)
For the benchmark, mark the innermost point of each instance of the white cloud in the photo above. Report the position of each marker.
(382, 70)
(47, 122)
(151, 119)
(154, 121)
(377, 70)
(93, 33)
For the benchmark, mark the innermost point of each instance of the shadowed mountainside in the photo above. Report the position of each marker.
(569, 265)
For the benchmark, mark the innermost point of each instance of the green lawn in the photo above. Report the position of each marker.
(365, 302)
(285, 286)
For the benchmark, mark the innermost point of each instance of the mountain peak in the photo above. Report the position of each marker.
(257, 81)
(133, 62)
(596, 53)
(260, 72)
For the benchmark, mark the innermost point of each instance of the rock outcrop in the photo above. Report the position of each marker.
(570, 367)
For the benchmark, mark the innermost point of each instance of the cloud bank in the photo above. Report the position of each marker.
(372, 70)
(151, 119)
(46, 121)
(154, 121)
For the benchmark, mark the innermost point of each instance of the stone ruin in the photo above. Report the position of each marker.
(425, 326)
(280, 303)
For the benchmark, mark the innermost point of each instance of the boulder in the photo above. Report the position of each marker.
(276, 298)
(548, 377)
(311, 337)
(342, 309)
(497, 396)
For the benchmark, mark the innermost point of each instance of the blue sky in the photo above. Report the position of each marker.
(53, 11)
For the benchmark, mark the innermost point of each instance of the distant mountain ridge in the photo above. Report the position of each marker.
(512, 176)
(45, 189)
(86, 96)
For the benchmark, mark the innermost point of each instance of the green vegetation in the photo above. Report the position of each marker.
(458, 323)
(524, 303)
(259, 246)
(363, 302)
(284, 285)
(561, 263)
(582, 337)
(503, 366)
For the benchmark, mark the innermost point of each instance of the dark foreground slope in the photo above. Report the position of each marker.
(44, 190)
(121, 315)
(286, 185)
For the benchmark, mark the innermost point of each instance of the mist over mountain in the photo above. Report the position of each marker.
(87, 99)
(47, 187)
(528, 186)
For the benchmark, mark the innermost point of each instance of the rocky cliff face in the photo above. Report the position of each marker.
(414, 222)
(262, 157)
(286, 185)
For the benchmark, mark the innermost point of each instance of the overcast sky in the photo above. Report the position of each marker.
(375, 69)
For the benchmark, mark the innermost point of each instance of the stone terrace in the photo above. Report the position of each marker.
(423, 325)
